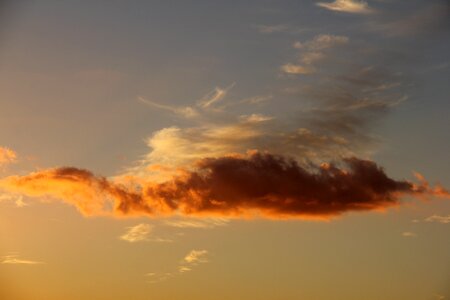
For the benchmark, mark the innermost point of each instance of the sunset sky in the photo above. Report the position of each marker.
(288, 149)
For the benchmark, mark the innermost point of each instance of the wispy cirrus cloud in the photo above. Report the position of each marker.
(438, 219)
(16, 260)
(206, 103)
(184, 111)
(312, 52)
(429, 17)
(216, 95)
(347, 6)
(187, 264)
(141, 233)
(197, 223)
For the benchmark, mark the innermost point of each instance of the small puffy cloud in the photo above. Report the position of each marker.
(196, 256)
(137, 233)
(15, 260)
(7, 156)
(409, 234)
(438, 219)
(347, 6)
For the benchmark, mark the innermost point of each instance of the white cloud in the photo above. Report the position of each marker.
(348, 6)
(14, 259)
(438, 219)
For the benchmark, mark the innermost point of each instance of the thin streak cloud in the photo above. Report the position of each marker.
(16, 260)
(438, 219)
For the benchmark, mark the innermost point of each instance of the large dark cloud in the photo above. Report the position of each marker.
(258, 184)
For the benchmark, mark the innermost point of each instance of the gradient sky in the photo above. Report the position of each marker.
(140, 91)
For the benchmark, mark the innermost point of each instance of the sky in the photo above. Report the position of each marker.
(224, 149)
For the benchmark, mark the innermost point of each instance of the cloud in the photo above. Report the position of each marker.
(196, 256)
(17, 199)
(296, 69)
(313, 52)
(216, 95)
(197, 223)
(322, 42)
(347, 6)
(7, 156)
(138, 233)
(257, 184)
(191, 260)
(142, 233)
(428, 18)
(409, 234)
(184, 111)
(91, 194)
(205, 104)
(267, 29)
(438, 219)
(183, 269)
(14, 259)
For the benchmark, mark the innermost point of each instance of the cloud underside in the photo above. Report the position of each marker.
(252, 185)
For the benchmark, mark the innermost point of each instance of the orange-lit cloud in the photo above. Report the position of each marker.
(7, 156)
(254, 185)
